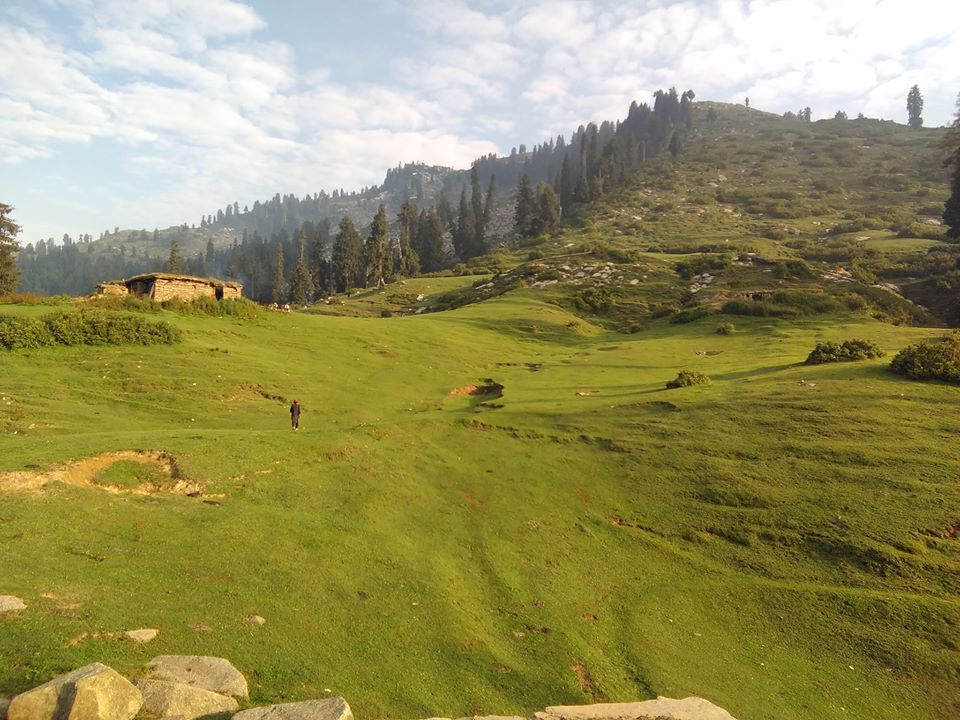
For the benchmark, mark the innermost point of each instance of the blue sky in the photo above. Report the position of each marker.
(147, 113)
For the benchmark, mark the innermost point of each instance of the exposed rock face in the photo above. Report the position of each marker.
(208, 673)
(691, 708)
(165, 699)
(11, 603)
(328, 709)
(93, 692)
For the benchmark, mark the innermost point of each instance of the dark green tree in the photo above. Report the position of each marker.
(347, 257)
(173, 263)
(430, 240)
(489, 205)
(9, 272)
(278, 289)
(548, 209)
(377, 253)
(464, 236)
(301, 284)
(408, 260)
(525, 210)
(951, 210)
(915, 108)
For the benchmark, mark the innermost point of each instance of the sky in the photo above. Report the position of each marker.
(149, 113)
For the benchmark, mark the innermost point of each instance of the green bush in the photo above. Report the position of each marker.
(211, 307)
(696, 265)
(386, 313)
(686, 378)
(691, 314)
(930, 360)
(848, 350)
(24, 333)
(88, 326)
(726, 329)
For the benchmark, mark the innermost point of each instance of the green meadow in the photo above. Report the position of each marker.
(781, 541)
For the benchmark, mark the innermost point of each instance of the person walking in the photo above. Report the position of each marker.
(295, 415)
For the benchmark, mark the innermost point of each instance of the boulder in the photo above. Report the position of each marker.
(164, 699)
(93, 692)
(143, 635)
(334, 708)
(4, 704)
(691, 708)
(208, 673)
(11, 603)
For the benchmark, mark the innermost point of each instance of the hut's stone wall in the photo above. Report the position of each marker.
(167, 289)
(231, 292)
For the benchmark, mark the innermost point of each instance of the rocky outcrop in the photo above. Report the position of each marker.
(190, 687)
(165, 699)
(328, 709)
(691, 708)
(93, 692)
(209, 673)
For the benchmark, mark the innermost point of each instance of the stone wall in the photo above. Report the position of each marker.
(166, 289)
(112, 288)
(231, 292)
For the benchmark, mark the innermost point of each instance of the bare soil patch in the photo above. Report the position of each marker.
(489, 387)
(82, 473)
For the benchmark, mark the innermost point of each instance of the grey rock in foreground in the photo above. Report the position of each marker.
(167, 699)
(335, 708)
(11, 603)
(691, 708)
(209, 673)
(93, 692)
(4, 704)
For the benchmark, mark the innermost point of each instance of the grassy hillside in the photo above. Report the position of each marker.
(782, 541)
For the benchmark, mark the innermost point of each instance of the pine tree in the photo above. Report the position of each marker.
(408, 262)
(466, 230)
(277, 292)
(567, 185)
(347, 257)
(548, 210)
(951, 209)
(301, 284)
(9, 272)
(477, 241)
(914, 108)
(489, 206)
(173, 263)
(430, 230)
(525, 211)
(376, 254)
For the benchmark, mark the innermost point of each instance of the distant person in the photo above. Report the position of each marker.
(295, 415)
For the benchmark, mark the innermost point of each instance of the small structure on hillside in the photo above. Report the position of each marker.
(165, 286)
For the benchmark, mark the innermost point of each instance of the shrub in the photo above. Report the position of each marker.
(696, 265)
(726, 329)
(24, 333)
(848, 350)
(930, 360)
(85, 327)
(691, 314)
(386, 313)
(686, 378)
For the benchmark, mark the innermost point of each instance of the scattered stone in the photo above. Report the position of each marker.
(208, 673)
(11, 603)
(691, 708)
(163, 699)
(143, 635)
(256, 620)
(335, 708)
(93, 692)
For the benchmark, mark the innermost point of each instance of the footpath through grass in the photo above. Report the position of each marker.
(782, 541)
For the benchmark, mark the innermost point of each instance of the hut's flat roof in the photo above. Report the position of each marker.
(180, 278)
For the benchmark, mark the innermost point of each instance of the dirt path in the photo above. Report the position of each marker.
(83, 472)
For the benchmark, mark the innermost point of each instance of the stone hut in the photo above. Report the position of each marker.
(164, 286)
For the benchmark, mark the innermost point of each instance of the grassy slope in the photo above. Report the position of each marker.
(750, 541)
